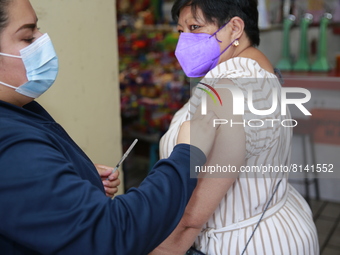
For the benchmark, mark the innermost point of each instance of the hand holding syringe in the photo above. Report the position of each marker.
(124, 156)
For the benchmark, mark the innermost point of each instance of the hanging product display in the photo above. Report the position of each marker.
(152, 83)
(285, 64)
(321, 64)
(302, 63)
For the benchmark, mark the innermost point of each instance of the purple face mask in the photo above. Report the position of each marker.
(198, 53)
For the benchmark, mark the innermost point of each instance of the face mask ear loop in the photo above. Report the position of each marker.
(9, 55)
(225, 49)
(214, 34)
(7, 85)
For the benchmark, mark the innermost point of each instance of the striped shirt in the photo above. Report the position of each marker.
(287, 227)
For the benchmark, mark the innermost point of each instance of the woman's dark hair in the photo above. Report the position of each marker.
(220, 11)
(4, 13)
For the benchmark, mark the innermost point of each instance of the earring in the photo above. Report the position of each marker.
(236, 43)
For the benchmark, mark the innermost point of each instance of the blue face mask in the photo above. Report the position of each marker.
(41, 63)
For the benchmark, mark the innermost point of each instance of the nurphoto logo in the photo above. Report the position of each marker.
(210, 94)
(239, 99)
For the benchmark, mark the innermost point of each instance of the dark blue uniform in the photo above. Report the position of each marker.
(52, 200)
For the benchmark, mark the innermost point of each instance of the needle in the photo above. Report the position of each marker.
(125, 155)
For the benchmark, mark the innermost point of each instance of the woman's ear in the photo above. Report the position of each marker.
(237, 26)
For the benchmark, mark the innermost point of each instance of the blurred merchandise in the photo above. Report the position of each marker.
(337, 64)
(321, 64)
(303, 63)
(264, 22)
(285, 63)
(152, 84)
(336, 14)
(316, 8)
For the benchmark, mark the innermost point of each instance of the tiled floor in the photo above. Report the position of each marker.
(327, 219)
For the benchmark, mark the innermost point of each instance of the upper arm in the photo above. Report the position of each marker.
(228, 151)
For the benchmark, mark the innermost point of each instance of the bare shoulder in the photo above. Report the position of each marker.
(259, 57)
